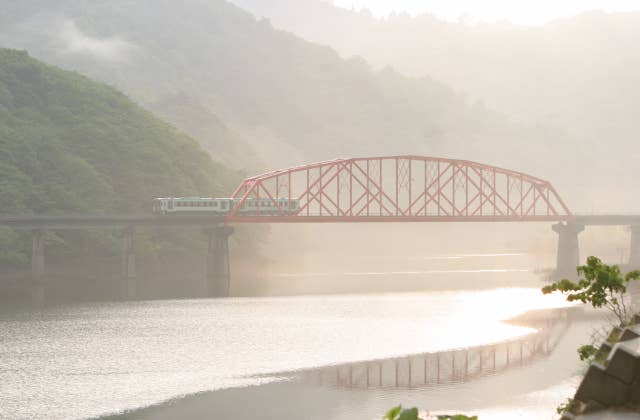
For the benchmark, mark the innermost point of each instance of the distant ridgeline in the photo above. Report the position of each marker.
(223, 76)
(71, 145)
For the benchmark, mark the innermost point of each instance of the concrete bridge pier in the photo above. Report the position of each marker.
(128, 278)
(568, 249)
(218, 266)
(37, 286)
(634, 248)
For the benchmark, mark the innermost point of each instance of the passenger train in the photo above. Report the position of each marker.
(222, 206)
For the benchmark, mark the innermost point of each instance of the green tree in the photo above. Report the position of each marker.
(601, 285)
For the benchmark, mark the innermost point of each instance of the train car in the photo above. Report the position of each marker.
(222, 206)
(192, 205)
(266, 206)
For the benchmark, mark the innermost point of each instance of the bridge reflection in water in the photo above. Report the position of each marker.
(451, 366)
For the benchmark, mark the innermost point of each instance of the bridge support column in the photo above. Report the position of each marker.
(634, 248)
(37, 286)
(218, 266)
(568, 249)
(128, 279)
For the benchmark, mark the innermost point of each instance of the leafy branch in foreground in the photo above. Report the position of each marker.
(397, 413)
(602, 285)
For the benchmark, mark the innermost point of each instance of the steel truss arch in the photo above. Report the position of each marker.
(398, 189)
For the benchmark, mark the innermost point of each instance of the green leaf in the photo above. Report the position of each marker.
(393, 413)
(409, 414)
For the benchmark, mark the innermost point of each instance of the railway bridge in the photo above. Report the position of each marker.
(356, 190)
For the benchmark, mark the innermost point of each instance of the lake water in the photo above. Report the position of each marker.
(84, 361)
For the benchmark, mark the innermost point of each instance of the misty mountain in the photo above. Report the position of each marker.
(580, 74)
(292, 100)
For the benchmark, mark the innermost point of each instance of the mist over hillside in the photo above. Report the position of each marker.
(565, 72)
(290, 100)
(579, 75)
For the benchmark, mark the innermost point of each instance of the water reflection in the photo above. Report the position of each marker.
(456, 365)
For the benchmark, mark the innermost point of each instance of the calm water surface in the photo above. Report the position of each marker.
(83, 361)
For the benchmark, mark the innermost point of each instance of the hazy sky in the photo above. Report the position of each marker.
(517, 11)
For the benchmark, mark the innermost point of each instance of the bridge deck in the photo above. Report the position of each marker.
(160, 221)
(607, 219)
(108, 221)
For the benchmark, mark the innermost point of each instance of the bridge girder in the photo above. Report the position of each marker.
(399, 189)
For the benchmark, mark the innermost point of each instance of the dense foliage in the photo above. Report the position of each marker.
(70, 145)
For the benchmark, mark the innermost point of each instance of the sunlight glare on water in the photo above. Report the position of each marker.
(140, 353)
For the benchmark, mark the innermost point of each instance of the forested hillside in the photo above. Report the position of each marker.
(290, 99)
(71, 145)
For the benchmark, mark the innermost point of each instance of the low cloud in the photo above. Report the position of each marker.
(76, 42)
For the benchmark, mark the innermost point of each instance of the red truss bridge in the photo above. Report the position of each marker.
(396, 189)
